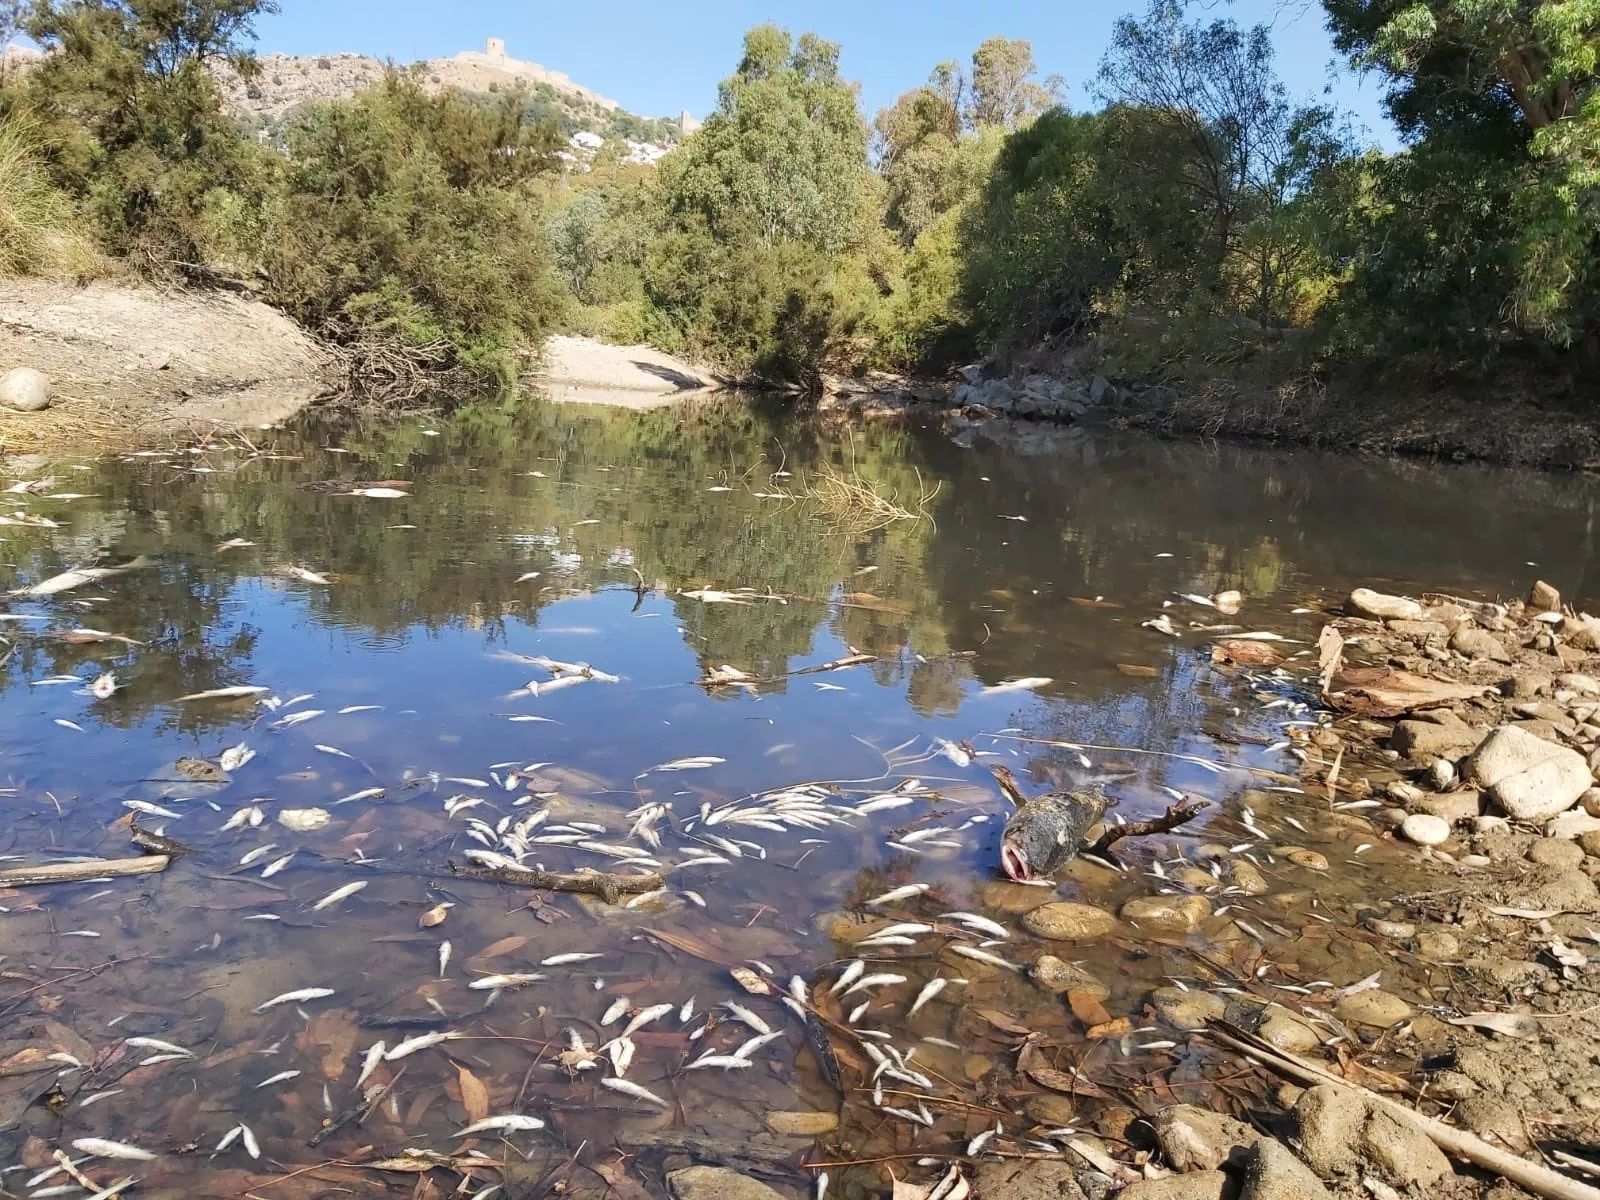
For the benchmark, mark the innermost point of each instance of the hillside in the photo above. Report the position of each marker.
(287, 82)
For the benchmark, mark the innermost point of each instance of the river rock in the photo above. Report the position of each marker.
(1543, 597)
(1590, 843)
(1568, 891)
(1364, 602)
(1425, 830)
(1053, 1110)
(1328, 1121)
(1529, 778)
(802, 1124)
(1199, 1185)
(1429, 739)
(1526, 683)
(1197, 1139)
(1010, 897)
(1556, 852)
(1461, 805)
(1041, 1179)
(1582, 685)
(1247, 877)
(1582, 633)
(718, 1183)
(1373, 1007)
(1057, 975)
(1187, 1010)
(1066, 921)
(1479, 643)
(24, 389)
(1167, 914)
(1287, 1032)
(1572, 824)
(1404, 1151)
(1438, 945)
(1423, 631)
(1272, 1172)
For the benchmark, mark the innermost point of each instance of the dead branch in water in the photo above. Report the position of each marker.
(79, 872)
(1178, 814)
(593, 883)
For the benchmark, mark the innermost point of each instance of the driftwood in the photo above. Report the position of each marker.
(593, 883)
(1178, 814)
(1468, 1147)
(156, 843)
(78, 872)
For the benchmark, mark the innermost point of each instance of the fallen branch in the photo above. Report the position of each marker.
(156, 843)
(1468, 1147)
(79, 872)
(593, 883)
(1178, 814)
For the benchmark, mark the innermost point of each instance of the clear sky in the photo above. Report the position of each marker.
(657, 58)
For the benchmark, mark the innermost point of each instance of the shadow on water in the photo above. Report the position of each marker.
(398, 730)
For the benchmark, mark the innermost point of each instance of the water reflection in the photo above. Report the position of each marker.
(577, 536)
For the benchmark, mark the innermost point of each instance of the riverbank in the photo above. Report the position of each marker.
(129, 363)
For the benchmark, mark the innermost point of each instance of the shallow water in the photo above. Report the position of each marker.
(1036, 559)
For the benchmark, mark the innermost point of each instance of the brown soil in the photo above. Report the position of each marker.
(129, 362)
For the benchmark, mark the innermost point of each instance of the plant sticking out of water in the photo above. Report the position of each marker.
(854, 505)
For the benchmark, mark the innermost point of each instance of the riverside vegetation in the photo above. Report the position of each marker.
(1189, 220)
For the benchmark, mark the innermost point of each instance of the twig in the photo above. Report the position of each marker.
(593, 883)
(77, 1176)
(1176, 815)
(1458, 1142)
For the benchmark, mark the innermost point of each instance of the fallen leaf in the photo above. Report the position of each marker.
(434, 916)
(1517, 1025)
(750, 981)
(474, 1096)
(1070, 1085)
(505, 945)
(1086, 1008)
(623, 1184)
(1135, 671)
(1000, 1021)
(1109, 1029)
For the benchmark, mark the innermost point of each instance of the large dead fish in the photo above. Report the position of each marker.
(1045, 832)
(79, 576)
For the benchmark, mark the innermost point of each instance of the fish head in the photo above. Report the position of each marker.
(1014, 860)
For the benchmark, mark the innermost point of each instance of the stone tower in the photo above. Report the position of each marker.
(495, 50)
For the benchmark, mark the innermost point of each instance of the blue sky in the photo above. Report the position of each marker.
(656, 58)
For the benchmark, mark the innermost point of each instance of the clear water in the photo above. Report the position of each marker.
(1039, 558)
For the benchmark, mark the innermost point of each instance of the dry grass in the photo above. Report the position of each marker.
(854, 505)
(69, 424)
(40, 232)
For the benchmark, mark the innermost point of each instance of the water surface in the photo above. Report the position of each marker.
(578, 536)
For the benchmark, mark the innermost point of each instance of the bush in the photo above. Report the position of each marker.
(40, 231)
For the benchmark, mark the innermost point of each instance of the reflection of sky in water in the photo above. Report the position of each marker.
(421, 622)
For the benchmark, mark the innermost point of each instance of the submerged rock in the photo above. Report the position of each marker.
(1057, 975)
(1373, 1007)
(1197, 1139)
(1040, 1179)
(1167, 914)
(1529, 778)
(1066, 921)
(1187, 1010)
(1287, 1032)
(1364, 602)
(802, 1124)
(718, 1183)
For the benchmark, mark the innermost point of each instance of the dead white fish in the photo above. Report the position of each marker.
(561, 960)
(621, 1051)
(727, 1062)
(370, 793)
(251, 1146)
(79, 576)
(422, 1041)
(508, 1123)
(105, 1148)
(742, 1013)
(643, 1017)
(444, 957)
(618, 1007)
(234, 757)
(338, 894)
(929, 990)
(258, 853)
(748, 1048)
(277, 865)
(358, 708)
(297, 718)
(333, 750)
(686, 1013)
(848, 976)
(280, 1077)
(504, 982)
(872, 981)
(526, 575)
(1161, 624)
(104, 686)
(66, 724)
(1026, 684)
(237, 692)
(150, 1043)
(305, 575)
(369, 1064)
(380, 493)
(981, 923)
(994, 960)
(953, 752)
(297, 996)
(150, 810)
(899, 893)
(633, 1089)
(694, 763)
(884, 803)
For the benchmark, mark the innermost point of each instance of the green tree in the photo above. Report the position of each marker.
(1002, 91)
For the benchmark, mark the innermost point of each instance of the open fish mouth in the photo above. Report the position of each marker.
(1014, 863)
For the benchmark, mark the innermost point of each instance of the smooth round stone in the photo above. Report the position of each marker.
(1373, 1007)
(1057, 975)
(1438, 945)
(1247, 877)
(1309, 859)
(1066, 921)
(1424, 829)
(1287, 1033)
(1188, 1010)
(1167, 914)
(802, 1124)
(1398, 930)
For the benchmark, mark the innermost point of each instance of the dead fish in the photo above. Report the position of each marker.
(749, 1018)
(561, 960)
(104, 1148)
(369, 1064)
(258, 853)
(871, 981)
(1027, 684)
(150, 810)
(848, 976)
(694, 763)
(633, 1089)
(381, 493)
(1161, 624)
(644, 1016)
(150, 1043)
(504, 982)
(508, 1123)
(294, 997)
(444, 957)
(1046, 831)
(305, 575)
(899, 893)
(338, 894)
(370, 793)
(235, 757)
(104, 686)
(66, 724)
(79, 576)
(974, 921)
(273, 868)
(994, 960)
(237, 692)
(929, 990)
(296, 718)
(280, 1077)
(618, 1007)
(726, 1062)
(421, 1041)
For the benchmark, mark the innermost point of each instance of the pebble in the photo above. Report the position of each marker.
(1309, 859)
(1188, 1010)
(1364, 602)
(1198, 1139)
(1555, 852)
(1373, 1007)
(1057, 975)
(1247, 877)
(1066, 921)
(1398, 930)
(1166, 914)
(1425, 829)
(1436, 945)
(1288, 1032)
(717, 1183)
(802, 1124)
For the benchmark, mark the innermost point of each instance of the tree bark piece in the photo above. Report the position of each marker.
(593, 883)
(77, 872)
(1535, 1177)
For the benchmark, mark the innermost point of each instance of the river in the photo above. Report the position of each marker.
(404, 721)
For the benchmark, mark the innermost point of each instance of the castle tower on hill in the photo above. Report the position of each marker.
(495, 50)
